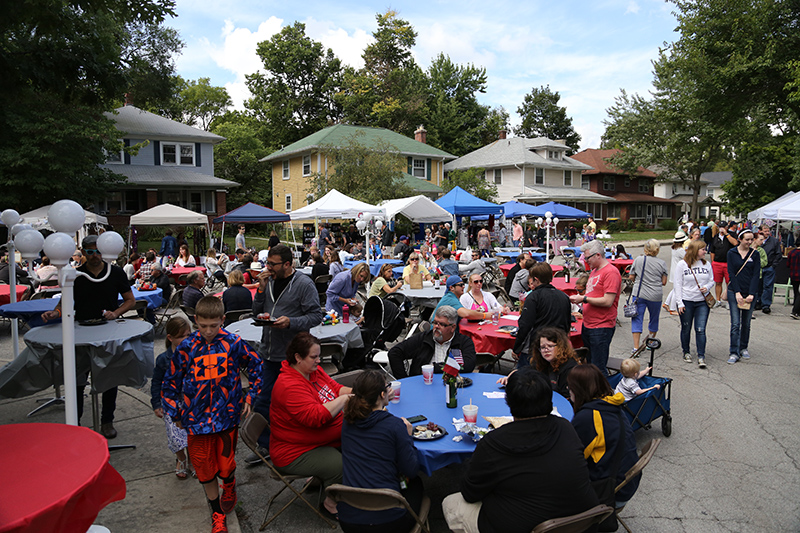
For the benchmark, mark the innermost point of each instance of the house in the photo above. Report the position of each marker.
(629, 197)
(715, 194)
(293, 166)
(175, 165)
(533, 171)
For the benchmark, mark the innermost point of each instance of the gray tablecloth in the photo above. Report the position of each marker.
(117, 353)
(427, 296)
(347, 335)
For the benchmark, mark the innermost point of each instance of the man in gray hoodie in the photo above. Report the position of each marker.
(291, 299)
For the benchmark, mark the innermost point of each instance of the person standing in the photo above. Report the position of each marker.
(239, 241)
(292, 301)
(599, 303)
(719, 249)
(517, 234)
(502, 235)
(772, 246)
(793, 262)
(652, 274)
(169, 245)
(693, 279)
(484, 241)
(744, 269)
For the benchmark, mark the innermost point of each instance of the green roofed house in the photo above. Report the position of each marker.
(293, 166)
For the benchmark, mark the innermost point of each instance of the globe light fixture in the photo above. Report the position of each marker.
(16, 228)
(66, 216)
(110, 244)
(59, 247)
(10, 217)
(29, 242)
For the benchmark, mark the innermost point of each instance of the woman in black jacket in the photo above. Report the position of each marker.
(236, 297)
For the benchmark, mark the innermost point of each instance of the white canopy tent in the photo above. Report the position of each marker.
(169, 215)
(771, 210)
(791, 210)
(38, 219)
(417, 209)
(336, 205)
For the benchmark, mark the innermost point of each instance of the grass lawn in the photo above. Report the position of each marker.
(663, 235)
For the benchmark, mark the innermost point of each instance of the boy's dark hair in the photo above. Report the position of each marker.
(282, 251)
(529, 393)
(301, 344)
(150, 256)
(445, 253)
(209, 307)
(542, 271)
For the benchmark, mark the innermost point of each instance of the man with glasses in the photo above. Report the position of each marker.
(434, 346)
(291, 299)
(599, 303)
(94, 301)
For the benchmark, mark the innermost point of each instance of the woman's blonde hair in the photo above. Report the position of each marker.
(651, 248)
(235, 278)
(358, 269)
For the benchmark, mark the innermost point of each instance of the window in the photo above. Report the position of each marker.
(177, 154)
(419, 168)
(197, 201)
(644, 185)
(306, 165)
(286, 169)
(553, 154)
(567, 178)
(498, 176)
(609, 183)
(660, 210)
(627, 182)
(585, 182)
(674, 188)
(614, 211)
(288, 202)
(539, 176)
(115, 158)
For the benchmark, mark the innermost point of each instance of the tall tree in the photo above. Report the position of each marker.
(202, 102)
(294, 97)
(472, 180)
(543, 117)
(237, 159)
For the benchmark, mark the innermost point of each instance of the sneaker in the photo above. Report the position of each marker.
(107, 430)
(228, 499)
(253, 459)
(795, 316)
(723, 304)
(687, 358)
(635, 353)
(733, 358)
(745, 354)
(766, 310)
(218, 524)
(701, 362)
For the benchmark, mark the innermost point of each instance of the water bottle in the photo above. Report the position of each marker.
(346, 314)
(495, 316)
(566, 275)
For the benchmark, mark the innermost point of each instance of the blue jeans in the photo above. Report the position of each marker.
(696, 312)
(740, 325)
(653, 309)
(768, 279)
(598, 340)
(516, 243)
(269, 375)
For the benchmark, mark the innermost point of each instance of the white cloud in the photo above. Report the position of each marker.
(633, 7)
(347, 47)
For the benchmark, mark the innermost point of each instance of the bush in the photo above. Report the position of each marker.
(641, 226)
(668, 224)
(616, 226)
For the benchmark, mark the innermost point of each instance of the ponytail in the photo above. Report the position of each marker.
(367, 390)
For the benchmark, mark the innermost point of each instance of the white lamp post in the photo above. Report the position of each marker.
(550, 223)
(11, 220)
(365, 224)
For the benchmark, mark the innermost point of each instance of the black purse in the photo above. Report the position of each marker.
(604, 488)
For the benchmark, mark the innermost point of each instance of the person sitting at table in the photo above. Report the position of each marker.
(415, 266)
(377, 451)
(184, 257)
(358, 251)
(5, 272)
(145, 270)
(597, 419)
(236, 297)
(244, 267)
(238, 257)
(433, 347)
(446, 265)
(343, 288)
(476, 266)
(519, 286)
(47, 273)
(426, 258)
(580, 288)
(452, 298)
(94, 301)
(513, 272)
(161, 281)
(374, 249)
(553, 355)
(129, 266)
(195, 281)
(380, 286)
(525, 472)
(319, 268)
(305, 417)
(545, 306)
(212, 265)
(477, 299)
(346, 254)
(402, 251)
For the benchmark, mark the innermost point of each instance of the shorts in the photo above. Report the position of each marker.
(720, 272)
(214, 455)
(176, 437)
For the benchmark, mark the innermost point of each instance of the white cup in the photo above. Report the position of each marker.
(470, 413)
(396, 390)
(427, 374)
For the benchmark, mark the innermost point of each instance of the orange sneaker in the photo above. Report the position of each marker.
(218, 524)
(228, 499)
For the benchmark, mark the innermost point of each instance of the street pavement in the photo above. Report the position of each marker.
(732, 463)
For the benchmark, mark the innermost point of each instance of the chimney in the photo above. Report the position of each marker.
(562, 141)
(502, 134)
(421, 135)
(128, 99)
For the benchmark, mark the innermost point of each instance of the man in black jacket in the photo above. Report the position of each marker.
(434, 347)
(402, 251)
(545, 306)
(773, 248)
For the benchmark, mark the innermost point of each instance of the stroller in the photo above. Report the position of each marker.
(384, 320)
(644, 409)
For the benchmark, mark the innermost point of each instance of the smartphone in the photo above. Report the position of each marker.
(415, 419)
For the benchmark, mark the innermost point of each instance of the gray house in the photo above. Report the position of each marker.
(175, 165)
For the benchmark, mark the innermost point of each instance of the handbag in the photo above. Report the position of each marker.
(604, 487)
(710, 300)
(631, 310)
(744, 305)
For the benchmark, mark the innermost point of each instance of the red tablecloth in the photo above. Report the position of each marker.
(488, 339)
(621, 264)
(566, 286)
(252, 291)
(5, 293)
(177, 272)
(506, 268)
(56, 478)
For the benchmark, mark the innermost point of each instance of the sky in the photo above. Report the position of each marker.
(585, 50)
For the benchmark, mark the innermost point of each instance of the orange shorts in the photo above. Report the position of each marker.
(214, 454)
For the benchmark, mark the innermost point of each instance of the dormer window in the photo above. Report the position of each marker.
(553, 154)
(177, 154)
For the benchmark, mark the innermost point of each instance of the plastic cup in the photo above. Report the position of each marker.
(427, 374)
(470, 413)
(396, 390)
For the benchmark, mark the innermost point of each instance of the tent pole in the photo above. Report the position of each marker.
(222, 237)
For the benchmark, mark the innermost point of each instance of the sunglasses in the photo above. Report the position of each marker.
(92, 252)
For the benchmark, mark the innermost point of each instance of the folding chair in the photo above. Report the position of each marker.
(331, 356)
(318, 281)
(788, 292)
(346, 379)
(172, 305)
(250, 430)
(381, 500)
(236, 315)
(189, 312)
(486, 359)
(140, 305)
(577, 523)
(648, 452)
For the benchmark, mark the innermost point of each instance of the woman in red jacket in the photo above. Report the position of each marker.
(306, 417)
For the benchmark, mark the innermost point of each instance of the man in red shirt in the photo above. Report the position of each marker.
(599, 304)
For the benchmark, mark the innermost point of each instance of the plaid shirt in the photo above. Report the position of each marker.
(146, 271)
(793, 261)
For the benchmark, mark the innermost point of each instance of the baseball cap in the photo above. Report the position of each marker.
(403, 237)
(452, 280)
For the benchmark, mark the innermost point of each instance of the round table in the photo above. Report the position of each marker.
(488, 339)
(61, 478)
(621, 264)
(347, 335)
(416, 398)
(5, 292)
(177, 272)
(427, 296)
(506, 268)
(565, 286)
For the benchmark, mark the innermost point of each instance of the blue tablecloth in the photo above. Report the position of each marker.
(416, 398)
(397, 272)
(374, 265)
(512, 256)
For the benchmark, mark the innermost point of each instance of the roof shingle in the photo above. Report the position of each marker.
(595, 159)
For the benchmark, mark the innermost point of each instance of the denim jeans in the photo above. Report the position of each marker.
(768, 280)
(598, 340)
(696, 312)
(796, 304)
(269, 375)
(740, 325)
(653, 309)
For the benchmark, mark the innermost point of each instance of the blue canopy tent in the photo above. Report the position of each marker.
(514, 209)
(251, 213)
(461, 203)
(562, 211)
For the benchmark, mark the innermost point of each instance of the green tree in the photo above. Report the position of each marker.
(472, 180)
(237, 159)
(368, 173)
(543, 117)
(202, 102)
(294, 97)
